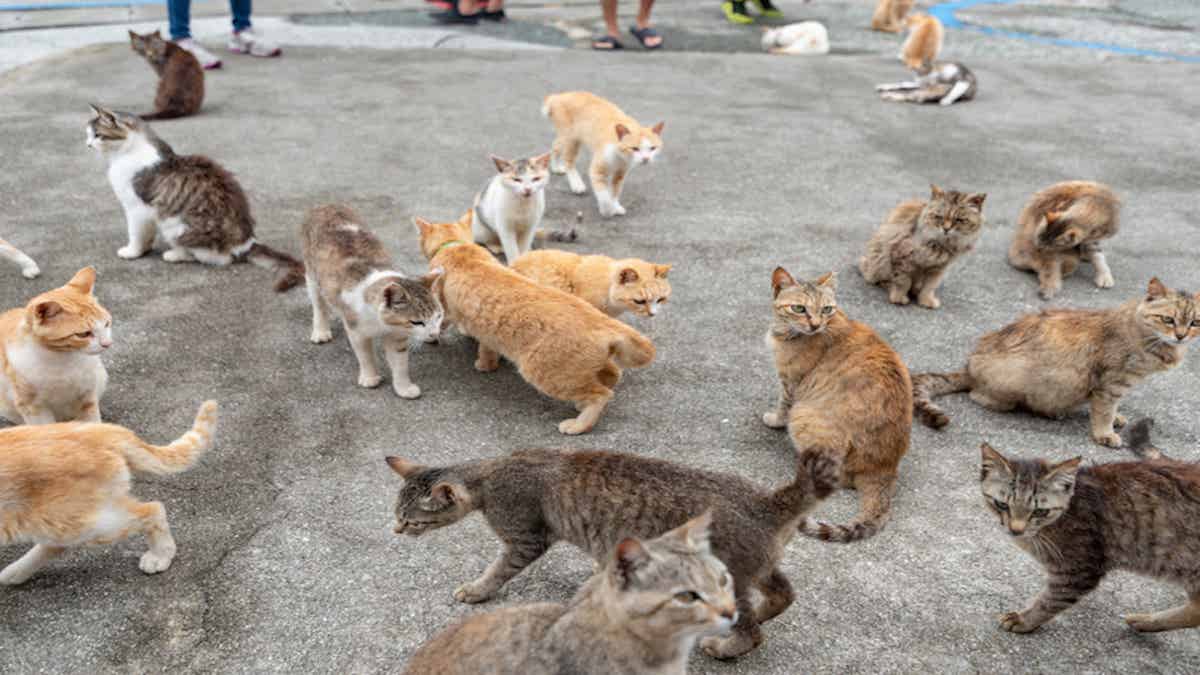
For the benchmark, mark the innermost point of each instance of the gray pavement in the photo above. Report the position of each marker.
(286, 559)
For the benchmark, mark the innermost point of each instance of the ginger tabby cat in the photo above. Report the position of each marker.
(611, 286)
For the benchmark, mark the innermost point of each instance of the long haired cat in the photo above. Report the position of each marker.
(924, 41)
(561, 345)
(509, 210)
(640, 614)
(197, 207)
(1061, 226)
(1082, 522)
(611, 286)
(29, 269)
(803, 38)
(843, 392)
(50, 368)
(180, 77)
(889, 15)
(616, 140)
(67, 485)
(1053, 362)
(593, 499)
(946, 83)
(348, 269)
(918, 242)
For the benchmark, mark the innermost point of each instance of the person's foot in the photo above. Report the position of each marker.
(735, 11)
(606, 43)
(768, 9)
(207, 59)
(248, 42)
(498, 16)
(648, 37)
(452, 16)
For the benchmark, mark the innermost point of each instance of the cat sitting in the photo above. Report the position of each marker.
(180, 77)
(509, 210)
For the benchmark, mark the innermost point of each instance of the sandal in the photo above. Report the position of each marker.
(606, 43)
(643, 34)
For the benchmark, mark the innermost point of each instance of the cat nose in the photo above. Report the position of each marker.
(1180, 334)
(106, 342)
(730, 613)
(1016, 527)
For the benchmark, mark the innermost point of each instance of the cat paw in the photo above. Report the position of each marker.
(1119, 421)
(1047, 293)
(898, 299)
(369, 381)
(617, 209)
(1013, 623)
(153, 563)
(14, 575)
(573, 427)
(486, 366)
(1110, 439)
(469, 594)
(1105, 280)
(929, 303)
(320, 337)
(177, 255)
(729, 647)
(409, 391)
(774, 420)
(576, 185)
(130, 252)
(1143, 623)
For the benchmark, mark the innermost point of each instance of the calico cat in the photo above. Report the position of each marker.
(1081, 523)
(198, 207)
(1053, 362)
(67, 485)
(640, 615)
(348, 269)
(1061, 226)
(842, 391)
(919, 241)
(611, 286)
(593, 499)
(946, 83)
(561, 345)
(617, 143)
(889, 15)
(924, 41)
(803, 38)
(509, 209)
(50, 368)
(180, 77)
(29, 269)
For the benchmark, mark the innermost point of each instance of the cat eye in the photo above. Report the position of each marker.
(1196, 323)
(827, 309)
(640, 302)
(417, 323)
(687, 597)
(799, 309)
(1000, 506)
(1167, 320)
(88, 334)
(1040, 513)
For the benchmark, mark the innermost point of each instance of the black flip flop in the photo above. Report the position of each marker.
(612, 42)
(642, 33)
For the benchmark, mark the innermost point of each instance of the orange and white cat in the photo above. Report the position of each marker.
(611, 286)
(924, 41)
(29, 268)
(616, 140)
(67, 485)
(50, 368)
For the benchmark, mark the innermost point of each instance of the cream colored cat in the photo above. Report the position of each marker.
(611, 286)
(50, 368)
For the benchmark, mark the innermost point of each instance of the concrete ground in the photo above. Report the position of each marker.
(286, 557)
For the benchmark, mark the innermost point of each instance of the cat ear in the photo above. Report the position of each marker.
(658, 128)
(827, 280)
(935, 192)
(661, 271)
(976, 200)
(467, 218)
(44, 311)
(432, 276)
(502, 165)
(134, 36)
(542, 161)
(627, 276)
(780, 279)
(394, 295)
(454, 493)
(102, 113)
(157, 34)
(993, 460)
(403, 467)
(1156, 289)
(622, 131)
(694, 534)
(628, 556)
(1062, 475)
(83, 281)
(423, 226)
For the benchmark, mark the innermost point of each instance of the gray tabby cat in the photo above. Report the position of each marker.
(534, 498)
(1081, 523)
(640, 615)
(29, 269)
(348, 269)
(196, 206)
(945, 83)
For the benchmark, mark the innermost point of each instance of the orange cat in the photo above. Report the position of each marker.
(68, 485)
(611, 286)
(889, 15)
(560, 344)
(50, 369)
(924, 42)
(616, 140)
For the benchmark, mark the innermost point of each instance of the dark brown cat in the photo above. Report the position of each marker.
(180, 77)
(534, 498)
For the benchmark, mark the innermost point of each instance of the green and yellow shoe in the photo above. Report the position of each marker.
(768, 10)
(735, 11)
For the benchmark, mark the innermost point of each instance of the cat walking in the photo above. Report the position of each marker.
(1062, 226)
(180, 77)
(611, 286)
(29, 268)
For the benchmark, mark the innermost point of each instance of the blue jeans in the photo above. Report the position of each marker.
(179, 17)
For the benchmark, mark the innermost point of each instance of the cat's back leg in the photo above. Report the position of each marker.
(321, 332)
(22, 569)
(1183, 616)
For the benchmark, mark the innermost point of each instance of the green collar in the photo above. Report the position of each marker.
(448, 244)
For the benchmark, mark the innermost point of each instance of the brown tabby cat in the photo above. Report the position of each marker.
(1061, 226)
(918, 242)
(534, 498)
(180, 77)
(640, 615)
(1081, 523)
(611, 286)
(1053, 362)
(842, 391)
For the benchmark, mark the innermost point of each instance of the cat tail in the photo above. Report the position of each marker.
(290, 272)
(566, 236)
(817, 476)
(162, 115)
(875, 497)
(926, 386)
(631, 349)
(1139, 439)
(181, 453)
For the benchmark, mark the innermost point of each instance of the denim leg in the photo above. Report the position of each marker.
(241, 14)
(179, 18)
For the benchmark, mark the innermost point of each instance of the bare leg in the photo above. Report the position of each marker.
(643, 21)
(609, 8)
(1184, 616)
(396, 353)
(28, 565)
(320, 313)
(1063, 589)
(516, 556)
(364, 351)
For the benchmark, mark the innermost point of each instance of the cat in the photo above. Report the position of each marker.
(805, 37)
(592, 499)
(29, 268)
(889, 15)
(1061, 226)
(843, 391)
(67, 485)
(50, 367)
(561, 345)
(640, 614)
(918, 242)
(1053, 362)
(946, 83)
(509, 209)
(611, 286)
(1082, 522)
(198, 207)
(181, 79)
(348, 270)
(924, 41)
(617, 143)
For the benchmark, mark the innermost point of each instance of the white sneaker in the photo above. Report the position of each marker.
(206, 58)
(247, 42)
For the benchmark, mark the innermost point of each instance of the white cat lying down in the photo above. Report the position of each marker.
(805, 37)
